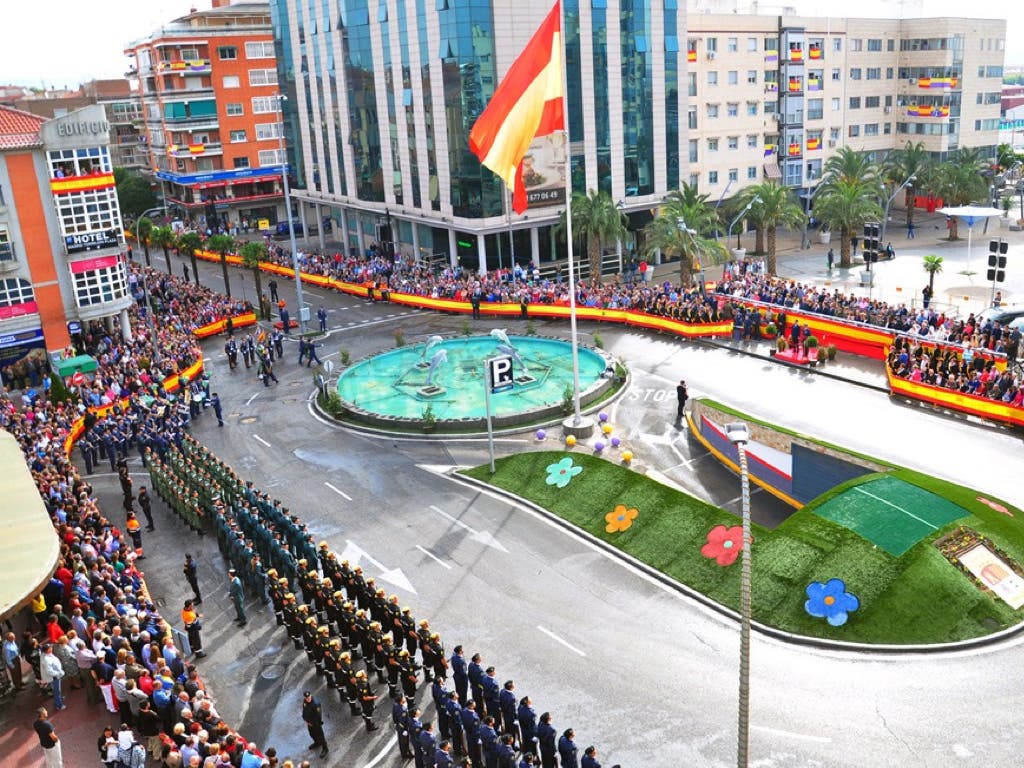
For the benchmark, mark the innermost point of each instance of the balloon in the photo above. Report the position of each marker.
(615, 442)
(541, 434)
(602, 416)
(598, 446)
(570, 440)
(627, 456)
(606, 428)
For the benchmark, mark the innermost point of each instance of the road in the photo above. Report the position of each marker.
(635, 668)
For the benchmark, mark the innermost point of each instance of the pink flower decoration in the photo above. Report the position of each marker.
(724, 544)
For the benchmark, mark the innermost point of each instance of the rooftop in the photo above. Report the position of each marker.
(18, 129)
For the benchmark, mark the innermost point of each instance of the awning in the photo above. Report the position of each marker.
(772, 171)
(81, 363)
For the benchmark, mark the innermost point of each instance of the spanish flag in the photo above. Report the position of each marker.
(526, 104)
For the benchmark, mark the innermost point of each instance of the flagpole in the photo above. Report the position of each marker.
(577, 418)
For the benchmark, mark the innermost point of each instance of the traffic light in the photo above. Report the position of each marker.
(872, 244)
(996, 261)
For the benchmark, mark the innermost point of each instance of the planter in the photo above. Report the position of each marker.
(739, 253)
(867, 278)
(825, 236)
(1004, 223)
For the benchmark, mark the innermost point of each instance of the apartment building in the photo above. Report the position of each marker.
(208, 88)
(775, 97)
(61, 236)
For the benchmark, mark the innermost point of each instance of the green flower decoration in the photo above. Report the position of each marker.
(560, 473)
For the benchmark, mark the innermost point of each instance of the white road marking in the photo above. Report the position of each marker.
(961, 751)
(433, 557)
(257, 437)
(790, 734)
(557, 639)
(896, 506)
(338, 491)
(383, 752)
(249, 401)
(482, 536)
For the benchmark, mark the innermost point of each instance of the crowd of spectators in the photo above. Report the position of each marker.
(959, 370)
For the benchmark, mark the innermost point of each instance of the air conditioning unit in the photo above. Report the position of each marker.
(711, 55)
(832, 143)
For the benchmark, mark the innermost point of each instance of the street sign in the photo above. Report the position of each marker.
(501, 377)
(328, 367)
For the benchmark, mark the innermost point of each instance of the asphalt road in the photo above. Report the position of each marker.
(635, 668)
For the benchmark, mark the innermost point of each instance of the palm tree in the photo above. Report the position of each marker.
(190, 242)
(914, 161)
(845, 205)
(1007, 158)
(252, 253)
(932, 265)
(681, 228)
(850, 165)
(163, 237)
(596, 219)
(143, 231)
(773, 206)
(961, 180)
(223, 245)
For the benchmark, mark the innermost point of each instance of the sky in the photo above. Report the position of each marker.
(66, 42)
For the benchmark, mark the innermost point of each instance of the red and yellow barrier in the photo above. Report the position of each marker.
(218, 326)
(994, 410)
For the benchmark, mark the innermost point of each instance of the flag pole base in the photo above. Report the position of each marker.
(581, 430)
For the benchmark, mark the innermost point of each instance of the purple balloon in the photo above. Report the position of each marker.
(541, 434)
(615, 442)
(602, 417)
(598, 446)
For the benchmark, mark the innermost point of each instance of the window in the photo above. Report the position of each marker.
(833, 135)
(771, 106)
(712, 145)
(734, 174)
(15, 291)
(262, 77)
(890, 44)
(836, 104)
(271, 157)
(752, 76)
(241, 162)
(837, 44)
(871, 129)
(712, 78)
(837, 75)
(853, 131)
(856, 44)
(231, 81)
(101, 285)
(855, 102)
(732, 44)
(733, 109)
(237, 137)
(713, 177)
(733, 77)
(694, 150)
(712, 110)
(752, 141)
(711, 44)
(261, 105)
(874, 73)
(235, 110)
(815, 109)
(227, 53)
(855, 73)
(691, 117)
(889, 73)
(259, 50)
(6, 247)
(888, 129)
(752, 172)
(265, 131)
(734, 142)
(872, 102)
(751, 107)
(888, 101)
(691, 78)
(694, 180)
(751, 43)
(874, 43)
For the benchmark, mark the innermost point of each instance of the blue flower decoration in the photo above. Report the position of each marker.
(830, 601)
(560, 473)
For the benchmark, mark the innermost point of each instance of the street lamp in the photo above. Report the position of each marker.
(684, 231)
(805, 239)
(288, 212)
(739, 435)
(741, 214)
(885, 219)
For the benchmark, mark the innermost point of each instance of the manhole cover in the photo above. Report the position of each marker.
(248, 420)
(234, 415)
(273, 672)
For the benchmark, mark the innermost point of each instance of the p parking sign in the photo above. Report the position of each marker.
(500, 373)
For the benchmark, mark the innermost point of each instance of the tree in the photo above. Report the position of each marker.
(190, 242)
(134, 193)
(932, 265)
(223, 245)
(163, 237)
(845, 205)
(1007, 158)
(143, 232)
(775, 207)
(850, 165)
(252, 253)
(681, 229)
(900, 165)
(596, 219)
(961, 180)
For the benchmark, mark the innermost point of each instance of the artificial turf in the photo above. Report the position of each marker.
(915, 598)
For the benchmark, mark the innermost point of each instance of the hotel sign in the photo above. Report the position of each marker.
(91, 241)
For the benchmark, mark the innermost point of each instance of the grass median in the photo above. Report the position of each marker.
(916, 598)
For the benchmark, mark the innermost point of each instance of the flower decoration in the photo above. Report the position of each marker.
(561, 472)
(541, 434)
(570, 440)
(606, 429)
(598, 446)
(602, 417)
(627, 456)
(615, 442)
(620, 518)
(830, 601)
(724, 544)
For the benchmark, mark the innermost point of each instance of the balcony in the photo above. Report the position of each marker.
(184, 67)
(195, 150)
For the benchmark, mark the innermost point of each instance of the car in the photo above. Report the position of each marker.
(282, 228)
(1007, 315)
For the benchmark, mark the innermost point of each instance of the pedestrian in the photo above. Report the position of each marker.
(52, 672)
(266, 371)
(145, 504)
(321, 316)
(311, 355)
(314, 719)
(910, 230)
(926, 296)
(459, 673)
(237, 597)
(546, 735)
(193, 624)
(272, 285)
(681, 397)
(567, 750)
(48, 740)
(134, 528)
(184, 269)
(217, 410)
(285, 320)
(107, 746)
(831, 259)
(853, 244)
(192, 578)
(12, 660)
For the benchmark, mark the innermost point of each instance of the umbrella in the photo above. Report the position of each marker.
(970, 214)
(81, 363)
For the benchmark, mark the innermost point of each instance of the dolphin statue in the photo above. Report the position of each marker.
(500, 335)
(432, 342)
(506, 349)
(439, 357)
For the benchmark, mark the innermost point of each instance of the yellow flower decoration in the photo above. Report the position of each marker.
(620, 518)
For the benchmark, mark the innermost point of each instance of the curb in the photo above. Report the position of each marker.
(786, 637)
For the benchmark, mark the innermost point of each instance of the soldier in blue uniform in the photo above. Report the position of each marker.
(567, 750)
(476, 676)
(427, 746)
(453, 708)
(399, 713)
(492, 696)
(506, 752)
(527, 716)
(489, 742)
(460, 675)
(507, 704)
(440, 695)
(546, 736)
(590, 758)
(471, 728)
